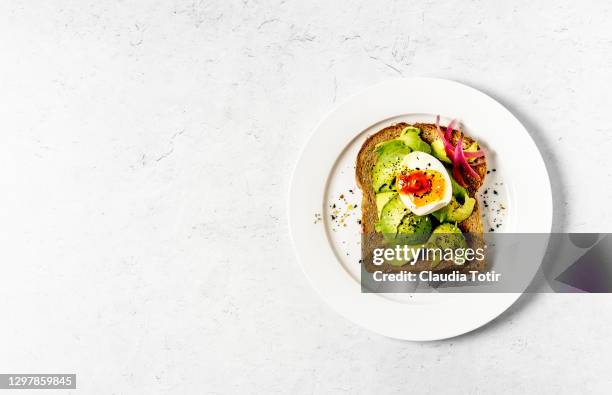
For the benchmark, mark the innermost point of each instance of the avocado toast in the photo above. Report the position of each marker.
(385, 212)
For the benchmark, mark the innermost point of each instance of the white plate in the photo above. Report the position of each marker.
(329, 253)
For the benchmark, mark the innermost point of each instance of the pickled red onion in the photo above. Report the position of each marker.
(449, 130)
(448, 147)
(473, 154)
(461, 161)
(456, 172)
(456, 154)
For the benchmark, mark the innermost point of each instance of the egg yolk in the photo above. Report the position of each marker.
(422, 186)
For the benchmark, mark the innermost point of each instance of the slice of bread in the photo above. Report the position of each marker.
(366, 159)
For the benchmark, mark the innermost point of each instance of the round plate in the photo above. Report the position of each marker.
(323, 185)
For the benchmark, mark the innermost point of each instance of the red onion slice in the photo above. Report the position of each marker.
(456, 172)
(461, 161)
(449, 130)
(473, 154)
(456, 154)
(448, 147)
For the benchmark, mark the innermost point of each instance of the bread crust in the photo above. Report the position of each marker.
(366, 159)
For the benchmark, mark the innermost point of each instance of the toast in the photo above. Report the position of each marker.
(371, 239)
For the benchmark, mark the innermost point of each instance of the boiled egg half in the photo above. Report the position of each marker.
(424, 185)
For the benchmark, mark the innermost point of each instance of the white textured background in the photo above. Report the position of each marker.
(145, 155)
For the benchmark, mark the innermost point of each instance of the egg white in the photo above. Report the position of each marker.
(417, 160)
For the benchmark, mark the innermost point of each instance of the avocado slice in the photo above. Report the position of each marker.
(411, 136)
(460, 206)
(454, 211)
(439, 152)
(446, 236)
(383, 198)
(390, 156)
(447, 229)
(391, 216)
(459, 192)
(414, 229)
(465, 204)
(458, 213)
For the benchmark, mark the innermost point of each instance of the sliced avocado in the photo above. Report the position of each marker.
(460, 213)
(465, 204)
(459, 192)
(447, 228)
(442, 214)
(390, 156)
(391, 216)
(446, 236)
(411, 136)
(410, 129)
(438, 151)
(455, 211)
(414, 229)
(383, 198)
(460, 206)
